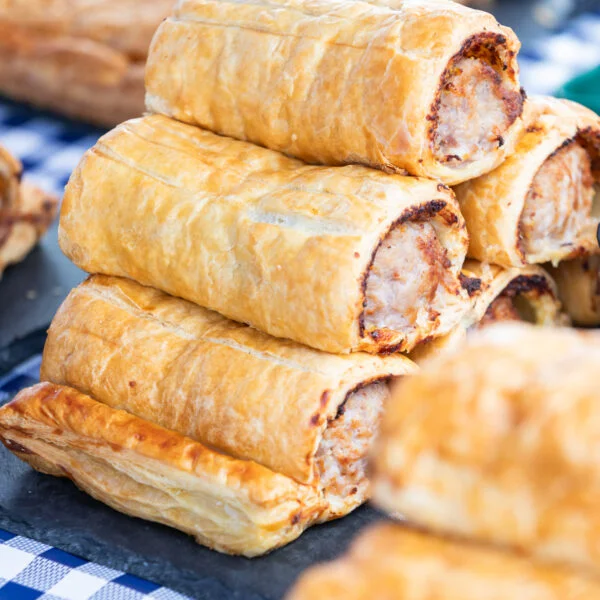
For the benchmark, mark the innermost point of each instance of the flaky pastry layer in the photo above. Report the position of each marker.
(335, 82)
(222, 383)
(498, 441)
(146, 471)
(263, 239)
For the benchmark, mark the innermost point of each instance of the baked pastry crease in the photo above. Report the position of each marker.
(539, 205)
(337, 258)
(527, 294)
(26, 212)
(82, 58)
(428, 88)
(146, 471)
(309, 415)
(578, 283)
(497, 443)
(393, 562)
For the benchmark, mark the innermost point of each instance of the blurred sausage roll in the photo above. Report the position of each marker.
(528, 294)
(146, 471)
(498, 443)
(338, 258)
(538, 206)
(25, 212)
(426, 88)
(578, 283)
(80, 58)
(309, 415)
(392, 562)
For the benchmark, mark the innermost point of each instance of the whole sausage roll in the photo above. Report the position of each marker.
(393, 562)
(309, 415)
(528, 294)
(538, 206)
(79, 58)
(578, 283)
(429, 88)
(143, 470)
(498, 443)
(338, 258)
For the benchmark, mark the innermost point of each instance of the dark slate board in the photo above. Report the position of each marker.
(32, 291)
(54, 511)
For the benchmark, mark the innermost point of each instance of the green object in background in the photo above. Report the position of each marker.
(584, 89)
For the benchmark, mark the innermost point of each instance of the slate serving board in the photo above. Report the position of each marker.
(54, 511)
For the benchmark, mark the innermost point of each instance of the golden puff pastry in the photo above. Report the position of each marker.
(538, 206)
(392, 562)
(25, 212)
(428, 88)
(309, 415)
(143, 470)
(337, 258)
(498, 443)
(527, 294)
(578, 283)
(82, 58)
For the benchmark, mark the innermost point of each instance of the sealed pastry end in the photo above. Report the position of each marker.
(144, 470)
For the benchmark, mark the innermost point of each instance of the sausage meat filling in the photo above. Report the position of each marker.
(558, 206)
(409, 283)
(341, 458)
(477, 107)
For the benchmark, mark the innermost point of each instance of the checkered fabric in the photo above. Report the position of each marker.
(30, 570)
(49, 147)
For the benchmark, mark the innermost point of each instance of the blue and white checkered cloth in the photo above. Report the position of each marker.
(50, 148)
(30, 570)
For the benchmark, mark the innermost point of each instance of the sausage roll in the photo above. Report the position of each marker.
(25, 212)
(428, 88)
(394, 563)
(578, 283)
(82, 58)
(147, 471)
(498, 442)
(338, 258)
(309, 415)
(538, 206)
(528, 294)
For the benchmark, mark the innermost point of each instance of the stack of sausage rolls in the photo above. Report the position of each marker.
(269, 245)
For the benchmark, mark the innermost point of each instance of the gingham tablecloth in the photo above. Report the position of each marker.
(50, 148)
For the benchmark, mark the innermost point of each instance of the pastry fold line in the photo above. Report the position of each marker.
(393, 562)
(338, 258)
(309, 415)
(429, 89)
(144, 470)
(539, 205)
(497, 443)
